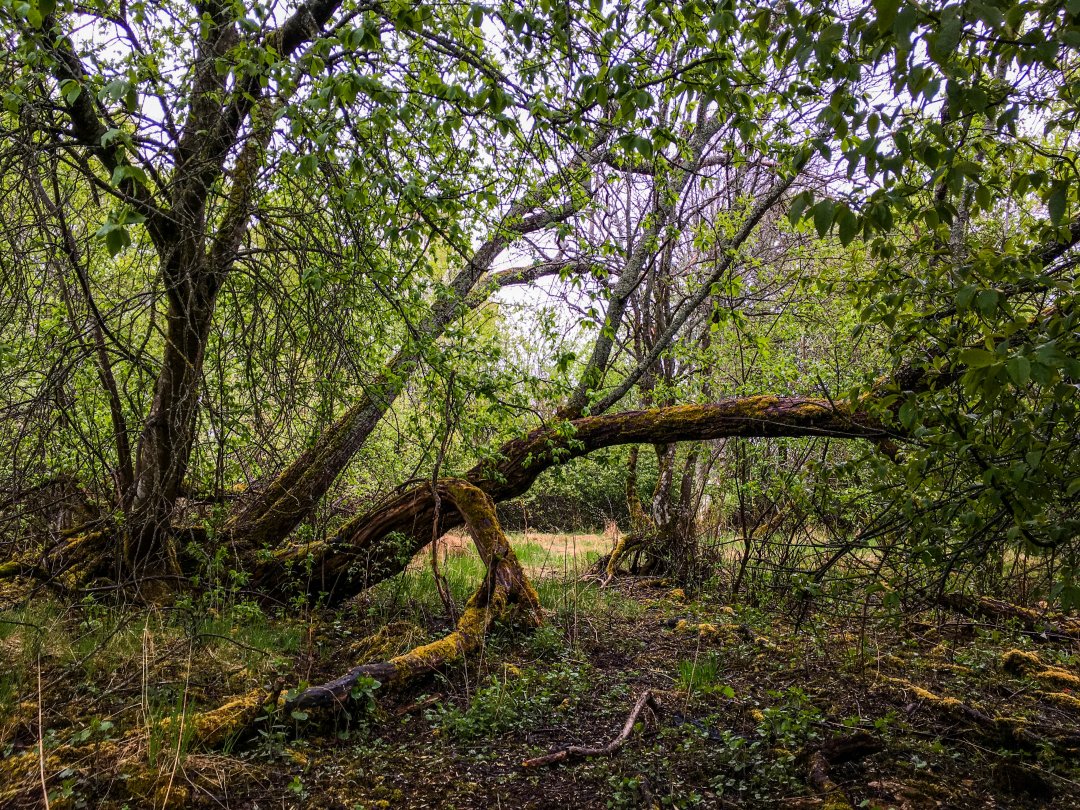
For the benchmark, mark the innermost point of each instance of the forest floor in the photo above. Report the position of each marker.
(942, 711)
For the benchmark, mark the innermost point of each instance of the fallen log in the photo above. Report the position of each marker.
(1008, 731)
(821, 761)
(379, 543)
(1040, 625)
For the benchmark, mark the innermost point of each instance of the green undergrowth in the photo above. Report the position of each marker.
(746, 693)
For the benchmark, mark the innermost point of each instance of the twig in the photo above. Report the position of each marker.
(419, 705)
(580, 752)
(41, 740)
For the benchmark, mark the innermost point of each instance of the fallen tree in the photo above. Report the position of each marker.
(379, 543)
(505, 593)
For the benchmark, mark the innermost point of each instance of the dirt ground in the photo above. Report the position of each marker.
(950, 713)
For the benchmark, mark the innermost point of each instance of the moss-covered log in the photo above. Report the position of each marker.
(505, 588)
(1012, 732)
(379, 543)
(1040, 625)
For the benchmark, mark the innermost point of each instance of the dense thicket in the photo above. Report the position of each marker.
(256, 259)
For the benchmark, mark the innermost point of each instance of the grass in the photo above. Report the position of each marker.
(740, 706)
(701, 674)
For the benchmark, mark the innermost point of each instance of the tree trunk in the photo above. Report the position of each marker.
(505, 587)
(168, 433)
(273, 513)
(377, 545)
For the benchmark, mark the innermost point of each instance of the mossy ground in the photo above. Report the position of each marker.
(745, 694)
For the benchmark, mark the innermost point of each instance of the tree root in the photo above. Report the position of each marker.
(1041, 626)
(836, 752)
(573, 752)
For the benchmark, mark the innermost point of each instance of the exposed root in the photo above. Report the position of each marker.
(836, 752)
(580, 752)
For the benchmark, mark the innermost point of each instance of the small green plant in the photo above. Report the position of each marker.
(516, 699)
(296, 786)
(363, 694)
(701, 675)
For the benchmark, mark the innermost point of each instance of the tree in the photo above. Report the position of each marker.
(364, 176)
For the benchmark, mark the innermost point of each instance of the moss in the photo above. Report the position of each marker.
(705, 630)
(1056, 676)
(388, 641)
(20, 774)
(836, 800)
(948, 704)
(1062, 699)
(471, 628)
(217, 726)
(1020, 662)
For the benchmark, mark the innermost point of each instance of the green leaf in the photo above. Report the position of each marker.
(847, 225)
(942, 44)
(799, 205)
(886, 13)
(71, 90)
(908, 412)
(1055, 203)
(1019, 369)
(823, 217)
(906, 20)
(987, 302)
(116, 240)
(978, 358)
(964, 297)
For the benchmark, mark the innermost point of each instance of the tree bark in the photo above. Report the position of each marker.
(504, 587)
(379, 543)
(166, 440)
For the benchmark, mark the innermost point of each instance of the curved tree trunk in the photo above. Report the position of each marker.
(505, 588)
(379, 543)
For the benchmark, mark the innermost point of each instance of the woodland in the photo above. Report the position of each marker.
(539, 403)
